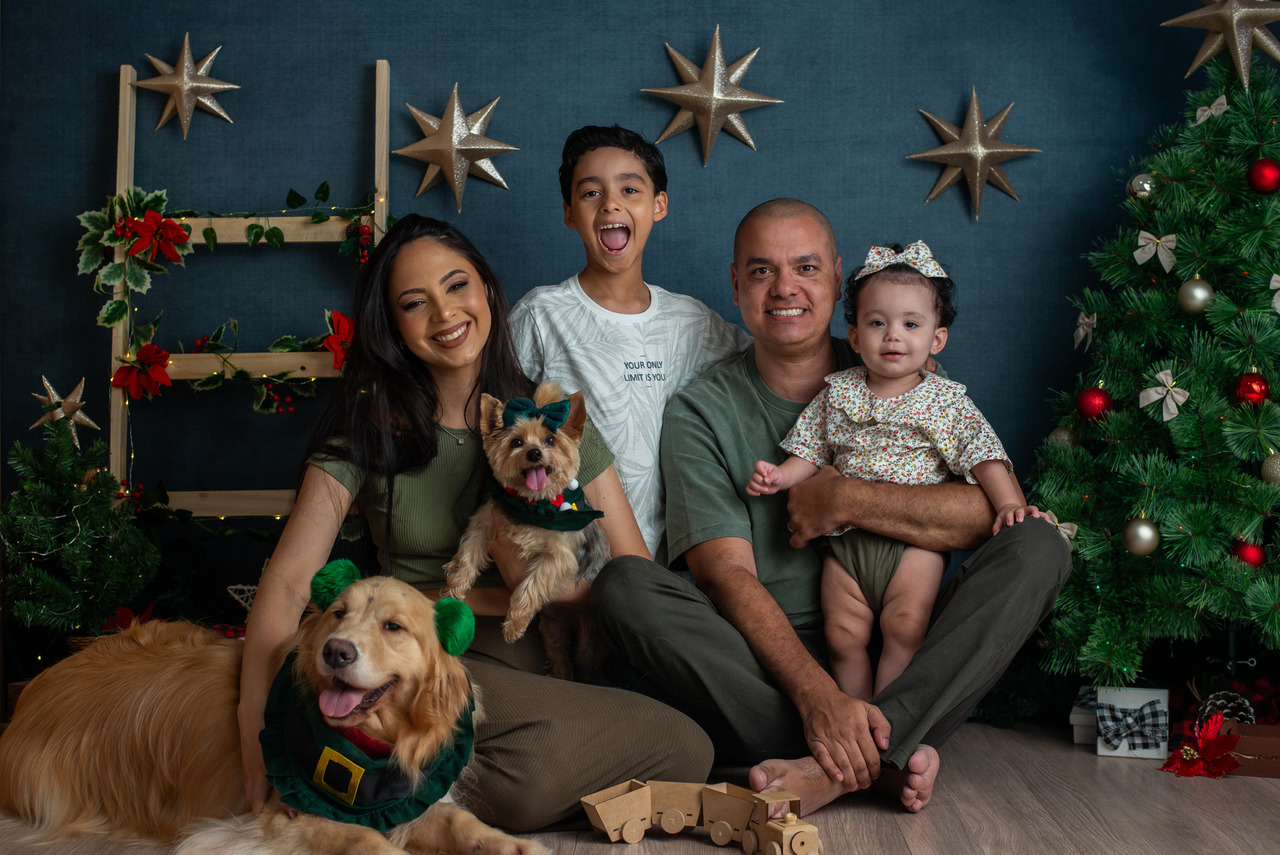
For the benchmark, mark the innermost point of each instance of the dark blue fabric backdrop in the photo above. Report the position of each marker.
(1091, 80)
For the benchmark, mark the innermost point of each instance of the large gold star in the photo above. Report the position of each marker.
(1238, 25)
(456, 146)
(69, 407)
(188, 86)
(711, 97)
(976, 151)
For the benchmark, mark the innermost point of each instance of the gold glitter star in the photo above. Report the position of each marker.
(456, 146)
(976, 151)
(711, 97)
(188, 86)
(1239, 25)
(69, 407)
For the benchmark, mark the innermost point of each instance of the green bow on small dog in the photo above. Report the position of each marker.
(553, 415)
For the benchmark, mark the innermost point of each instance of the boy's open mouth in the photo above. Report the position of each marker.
(615, 237)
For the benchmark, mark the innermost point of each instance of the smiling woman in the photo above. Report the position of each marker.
(430, 336)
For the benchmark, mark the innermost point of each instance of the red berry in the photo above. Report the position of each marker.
(288, 399)
(291, 409)
(279, 409)
(365, 229)
(119, 495)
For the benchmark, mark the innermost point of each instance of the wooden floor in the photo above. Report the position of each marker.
(1026, 790)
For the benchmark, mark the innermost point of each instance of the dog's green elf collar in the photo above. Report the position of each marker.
(577, 514)
(318, 771)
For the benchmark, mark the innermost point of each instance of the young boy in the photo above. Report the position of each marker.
(628, 345)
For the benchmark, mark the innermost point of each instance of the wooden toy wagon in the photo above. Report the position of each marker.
(676, 805)
(622, 811)
(733, 813)
(726, 811)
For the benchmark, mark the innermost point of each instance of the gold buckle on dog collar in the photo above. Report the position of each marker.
(329, 757)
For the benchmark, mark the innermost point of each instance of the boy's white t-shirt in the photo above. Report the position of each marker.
(628, 367)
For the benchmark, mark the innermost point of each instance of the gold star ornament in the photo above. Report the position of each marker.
(974, 151)
(70, 407)
(711, 97)
(1237, 25)
(188, 86)
(456, 146)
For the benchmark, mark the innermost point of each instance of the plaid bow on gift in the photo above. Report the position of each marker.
(1145, 727)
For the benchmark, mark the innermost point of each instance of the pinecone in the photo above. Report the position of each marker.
(1230, 704)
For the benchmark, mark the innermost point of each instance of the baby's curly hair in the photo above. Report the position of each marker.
(943, 289)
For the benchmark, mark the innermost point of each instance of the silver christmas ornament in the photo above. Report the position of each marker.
(1142, 185)
(1195, 295)
(1140, 536)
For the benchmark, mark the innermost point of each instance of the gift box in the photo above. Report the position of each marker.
(1084, 717)
(1133, 722)
(1258, 749)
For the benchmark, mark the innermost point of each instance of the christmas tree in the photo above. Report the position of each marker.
(72, 553)
(1166, 456)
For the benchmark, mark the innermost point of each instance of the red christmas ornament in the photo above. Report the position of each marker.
(1264, 176)
(1250, 553)
(1252, 389)
(1093, 403)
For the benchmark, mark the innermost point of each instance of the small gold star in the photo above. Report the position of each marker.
(976, 151)
(456, 146)
(711, 97)
(69, 407)
(188, 86)
(1238, 25)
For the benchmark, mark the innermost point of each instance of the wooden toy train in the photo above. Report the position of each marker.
(729, 813)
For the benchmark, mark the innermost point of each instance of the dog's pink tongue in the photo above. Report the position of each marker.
(339, 700)
(536, 479)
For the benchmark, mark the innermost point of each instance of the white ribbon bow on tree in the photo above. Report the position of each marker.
(1149, 245)
(1084, 329)
(1172, 395)
(1217, 108)
(1275, 285)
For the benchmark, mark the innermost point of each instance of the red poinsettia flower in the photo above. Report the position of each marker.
(146, 374)
(339, 341)
(155, 232)
(125, 618)
(1208, 754)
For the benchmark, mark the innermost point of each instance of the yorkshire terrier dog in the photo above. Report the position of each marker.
(532, 447)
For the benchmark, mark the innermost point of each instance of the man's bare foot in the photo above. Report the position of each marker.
(802, 777)
(913, 785)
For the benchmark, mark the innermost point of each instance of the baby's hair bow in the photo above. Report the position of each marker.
(553, 415)
(1161, 247)
(916, 256)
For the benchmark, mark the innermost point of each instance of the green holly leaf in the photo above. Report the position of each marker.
(95, 221)
(295, 199)
(261, 402)
(285, 344)
(210, 238)
(91, 258)
(113, 273)
(348, 246)
(153, 201)
(112, 313)
(322, 192)
(318, 217)
(212, 381)
(137, 278)
(254, 232)
(308, 345)
(275, 237)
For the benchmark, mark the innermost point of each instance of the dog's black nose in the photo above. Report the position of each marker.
(338, 653)
(533, 455)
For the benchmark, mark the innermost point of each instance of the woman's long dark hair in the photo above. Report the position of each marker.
(382, 415)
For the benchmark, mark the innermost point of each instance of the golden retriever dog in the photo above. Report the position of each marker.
(137, 734)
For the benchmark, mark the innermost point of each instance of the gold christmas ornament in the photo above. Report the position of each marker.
(1271, 469)
(70, 407)
(1237, 25)
(975, 150)
(1195, 295)
(456, 146)
(1062, 436)
(188, 86)
(1142, 185)
(1140, 536)
(711, 97)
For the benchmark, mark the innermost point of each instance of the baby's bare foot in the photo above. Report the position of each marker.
(913, 785)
